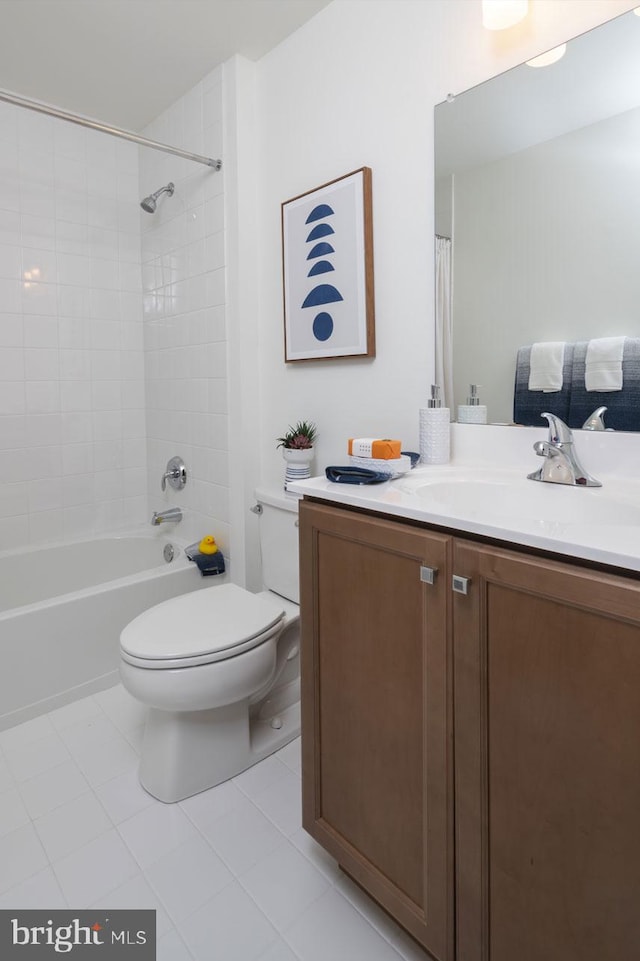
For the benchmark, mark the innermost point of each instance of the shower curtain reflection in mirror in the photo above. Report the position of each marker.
(444, 321)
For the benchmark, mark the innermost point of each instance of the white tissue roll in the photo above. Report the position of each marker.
(434, 435)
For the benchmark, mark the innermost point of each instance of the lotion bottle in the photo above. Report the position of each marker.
(434, 430)
(473, 412)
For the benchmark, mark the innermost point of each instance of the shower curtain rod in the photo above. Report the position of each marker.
(105, 128)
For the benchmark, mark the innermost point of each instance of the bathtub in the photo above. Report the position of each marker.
(62, 608)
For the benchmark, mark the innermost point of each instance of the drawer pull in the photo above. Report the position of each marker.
(460, 584)
(428, 574)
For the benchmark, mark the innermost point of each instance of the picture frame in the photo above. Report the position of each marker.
(327, 271)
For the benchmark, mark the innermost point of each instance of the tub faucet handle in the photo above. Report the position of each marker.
(176, 474)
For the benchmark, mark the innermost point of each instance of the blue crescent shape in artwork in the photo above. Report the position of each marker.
(322, 294)
(320, 230)
(320, 250)
(321, 267)
(322, 326)
(319, 213)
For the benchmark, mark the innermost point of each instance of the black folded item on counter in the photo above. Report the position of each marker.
(355, 475)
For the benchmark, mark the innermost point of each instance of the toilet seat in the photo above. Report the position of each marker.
(212, 624)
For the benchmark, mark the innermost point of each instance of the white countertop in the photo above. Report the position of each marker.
(594, 524)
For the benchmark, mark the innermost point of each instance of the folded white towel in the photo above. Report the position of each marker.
(603, 365)
(545, 366)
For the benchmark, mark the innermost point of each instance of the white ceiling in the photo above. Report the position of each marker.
(124, 61)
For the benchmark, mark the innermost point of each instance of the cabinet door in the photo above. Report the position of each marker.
(375, 727)
(547, 733)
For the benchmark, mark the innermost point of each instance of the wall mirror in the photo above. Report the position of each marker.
(538, 187)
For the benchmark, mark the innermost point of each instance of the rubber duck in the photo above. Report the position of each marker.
(208, 545)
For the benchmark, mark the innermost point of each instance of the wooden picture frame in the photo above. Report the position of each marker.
(327, 271)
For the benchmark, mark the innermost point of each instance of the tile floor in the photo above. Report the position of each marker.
(230, 872)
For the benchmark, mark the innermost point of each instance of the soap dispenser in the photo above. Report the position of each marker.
(434, 430)
(473, 412)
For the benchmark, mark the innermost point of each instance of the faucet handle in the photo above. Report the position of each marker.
(595, 421)
(559, 432)
(176, 474)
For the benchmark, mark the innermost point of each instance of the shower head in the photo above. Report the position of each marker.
(150, 203)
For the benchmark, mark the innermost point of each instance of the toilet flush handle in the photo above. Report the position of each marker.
(256, 509)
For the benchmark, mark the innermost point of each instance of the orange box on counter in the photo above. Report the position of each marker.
(383, 449)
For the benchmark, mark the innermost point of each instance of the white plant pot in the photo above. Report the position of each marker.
(298, 464)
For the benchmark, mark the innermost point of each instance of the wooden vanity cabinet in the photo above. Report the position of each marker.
(376, 702)
(535, 671)
(547, 747)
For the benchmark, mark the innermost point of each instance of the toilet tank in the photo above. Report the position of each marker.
(279, 542)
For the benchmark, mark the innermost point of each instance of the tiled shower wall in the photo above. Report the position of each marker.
(72, 420)
(183, 270)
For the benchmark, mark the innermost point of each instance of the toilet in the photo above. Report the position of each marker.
(218, 668)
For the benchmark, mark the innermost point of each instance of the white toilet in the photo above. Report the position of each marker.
(219, 669)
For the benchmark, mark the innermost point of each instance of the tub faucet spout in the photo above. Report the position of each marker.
(171, 514)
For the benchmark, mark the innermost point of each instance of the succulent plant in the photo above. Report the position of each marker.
(299, 437)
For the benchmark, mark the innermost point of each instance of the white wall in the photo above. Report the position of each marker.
(72, 424)
(356, 86)
(185, 334)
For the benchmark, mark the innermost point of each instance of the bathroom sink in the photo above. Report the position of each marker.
(525, 501)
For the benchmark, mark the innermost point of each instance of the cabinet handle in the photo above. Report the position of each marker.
(460, 584)
(428, 574)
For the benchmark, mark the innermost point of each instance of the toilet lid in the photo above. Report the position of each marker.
(212, 621)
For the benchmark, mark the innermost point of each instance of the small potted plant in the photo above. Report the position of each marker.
(297, 450)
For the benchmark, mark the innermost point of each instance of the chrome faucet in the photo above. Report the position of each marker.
(171, 514)
(561, 465)
(595, 421)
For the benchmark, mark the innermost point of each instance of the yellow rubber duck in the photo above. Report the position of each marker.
(208, 545)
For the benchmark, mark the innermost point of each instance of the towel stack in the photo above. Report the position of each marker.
(603, 366)
(545, 370)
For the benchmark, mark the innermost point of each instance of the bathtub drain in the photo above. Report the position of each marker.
(169, 553)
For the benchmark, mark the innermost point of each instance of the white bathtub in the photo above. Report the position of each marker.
(62, 608)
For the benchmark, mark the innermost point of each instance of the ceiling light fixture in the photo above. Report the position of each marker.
(501, 14)
(551, 56)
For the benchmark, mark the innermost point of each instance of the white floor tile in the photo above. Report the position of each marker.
(280, 951)
(27, 733)
(64, 717)
(243, 836)
(282, 802)
(368, 908)
(88, 733)
(233, 924)
(123, 796)
(35, 757)
(317, 855)
(155, 831)
(135, 737)
(291, 755)
(96, 869)
(123, 709)
(137, 893)
(173, 948)
(205, 807)
(72, 825)
(332, 928)
(255, 779)
(6, 777)
(13, 813)
(114, 757)
(39, 891)
(21, 856)
(47, 791)
(283, 885)
(187, 877)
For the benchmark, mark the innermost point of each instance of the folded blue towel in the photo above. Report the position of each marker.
(355, 475)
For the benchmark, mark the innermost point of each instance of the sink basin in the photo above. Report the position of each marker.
(525, 501)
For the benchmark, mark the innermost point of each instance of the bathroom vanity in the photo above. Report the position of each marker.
(471, 715)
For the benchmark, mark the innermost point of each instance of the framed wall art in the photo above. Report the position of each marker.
(327, 265)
